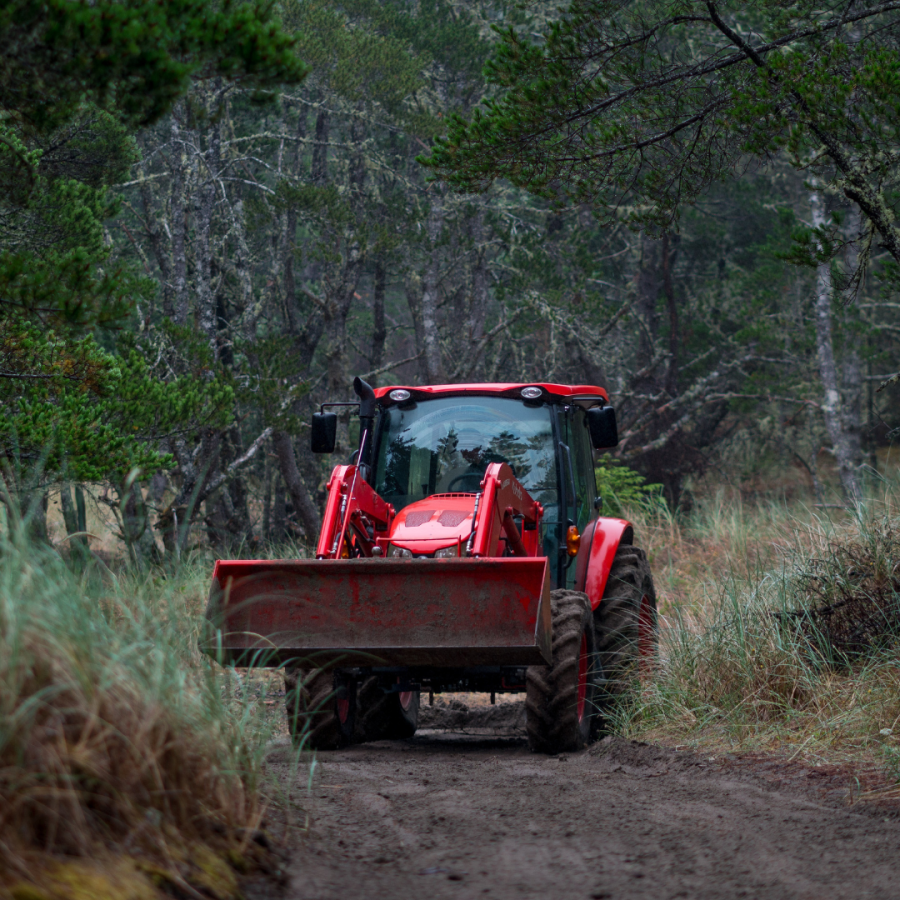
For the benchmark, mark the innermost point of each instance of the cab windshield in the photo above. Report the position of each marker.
(444, 445)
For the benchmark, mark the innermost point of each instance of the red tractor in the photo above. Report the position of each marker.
(461, 550)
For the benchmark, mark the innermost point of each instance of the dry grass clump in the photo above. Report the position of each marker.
(786, 641)
(850, 595)
(116, 736)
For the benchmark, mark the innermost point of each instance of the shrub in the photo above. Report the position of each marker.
(621, 487)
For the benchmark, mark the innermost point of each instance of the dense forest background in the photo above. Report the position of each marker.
(187, 270)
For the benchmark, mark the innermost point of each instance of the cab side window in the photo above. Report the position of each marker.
(583, 464)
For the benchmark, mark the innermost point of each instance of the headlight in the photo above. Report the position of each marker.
(447, 552)
(400, 551)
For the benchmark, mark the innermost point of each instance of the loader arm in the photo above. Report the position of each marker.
(501, 502)
(353, 511)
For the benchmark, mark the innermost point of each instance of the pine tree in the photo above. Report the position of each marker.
(77, 400)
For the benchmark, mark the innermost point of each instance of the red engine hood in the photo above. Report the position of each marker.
(437, 521)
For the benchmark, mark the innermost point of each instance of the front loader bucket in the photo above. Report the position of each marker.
(388, 612)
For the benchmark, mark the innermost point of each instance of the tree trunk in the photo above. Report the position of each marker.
(206, 302)
(647, 283)
(175, 521)
(70, 517)
(479, 304)
(470, 361)
(179, 225)
(227, 511)
(74, 519)
(379, 330)
(341, 297)
(267, 499)
(434, 371)
(142, 547)
(155, 239)
(852, 374)
(33, 512)
(319, 169)
(288, 278)
(250, 309)
(158, 485)
(669, 252)
(279, 513)
(413, 288)
(302, 502)
(833, 408)
(237, 487)
(218, 520)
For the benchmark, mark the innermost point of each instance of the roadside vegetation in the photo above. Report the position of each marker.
(778, 630)
(129, 763)
(132, 764)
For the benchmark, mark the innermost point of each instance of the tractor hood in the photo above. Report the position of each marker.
(441, 520)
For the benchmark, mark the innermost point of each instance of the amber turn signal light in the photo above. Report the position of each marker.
(573, 541)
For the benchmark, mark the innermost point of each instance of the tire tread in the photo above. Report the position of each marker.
(616, 619)
(551, 691)
(380, 716)
(311, 713)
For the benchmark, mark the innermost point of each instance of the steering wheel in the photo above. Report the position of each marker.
(466, 476)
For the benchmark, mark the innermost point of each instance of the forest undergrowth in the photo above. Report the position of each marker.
(779, 631)
(129, 763)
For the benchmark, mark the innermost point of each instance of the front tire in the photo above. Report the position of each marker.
(626, 625)
(560, 699)
(385, 717)
(321, 707)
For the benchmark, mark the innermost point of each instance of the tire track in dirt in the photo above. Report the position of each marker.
(456, 816)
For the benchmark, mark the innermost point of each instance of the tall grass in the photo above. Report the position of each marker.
(739, 669)
(115, 733)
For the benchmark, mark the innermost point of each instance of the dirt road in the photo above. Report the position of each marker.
(457, 816)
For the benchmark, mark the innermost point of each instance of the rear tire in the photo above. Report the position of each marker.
(321, 707)
(626, 625)
(385, 717)
(560, 698)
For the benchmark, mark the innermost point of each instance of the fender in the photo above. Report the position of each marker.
(599, 543)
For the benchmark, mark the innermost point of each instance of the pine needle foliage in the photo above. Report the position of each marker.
(637, 107)
(135, 59)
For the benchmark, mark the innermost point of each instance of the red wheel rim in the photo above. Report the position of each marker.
(343, 709)
(405, 699)
(646, 635)
(582, 676)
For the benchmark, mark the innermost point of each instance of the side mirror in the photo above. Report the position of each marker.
(324, 432)
(602, 425)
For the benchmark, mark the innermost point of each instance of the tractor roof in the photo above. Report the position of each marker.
(582, 394)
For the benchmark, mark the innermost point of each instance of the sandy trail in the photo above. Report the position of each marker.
(447, 815)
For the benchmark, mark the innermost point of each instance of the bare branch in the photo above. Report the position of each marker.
(215, 483)
(390, 366)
